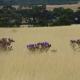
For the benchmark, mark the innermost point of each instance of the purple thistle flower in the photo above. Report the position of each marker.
(45, 43)
(30, 46)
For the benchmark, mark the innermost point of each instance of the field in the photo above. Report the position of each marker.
(20, 64)
(71, 6)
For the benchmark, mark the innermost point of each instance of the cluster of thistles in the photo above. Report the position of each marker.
(39, 46)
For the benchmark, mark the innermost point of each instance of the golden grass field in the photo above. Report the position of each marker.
(71, 6)
(20, 64)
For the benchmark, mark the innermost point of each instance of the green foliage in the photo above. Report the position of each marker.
(38, 16)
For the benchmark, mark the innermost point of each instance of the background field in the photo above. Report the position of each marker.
(71, 6)
(20, 64)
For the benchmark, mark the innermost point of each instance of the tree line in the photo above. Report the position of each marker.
(38, 16)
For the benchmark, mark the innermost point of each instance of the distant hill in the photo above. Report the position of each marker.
(24, 2)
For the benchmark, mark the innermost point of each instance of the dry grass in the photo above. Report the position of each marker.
(20, 64)
(71, 6)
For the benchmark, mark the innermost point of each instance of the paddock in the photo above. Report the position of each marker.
(59, 63)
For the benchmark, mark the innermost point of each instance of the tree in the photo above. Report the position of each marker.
(63, 16)
(77, 17)
(9, 16)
